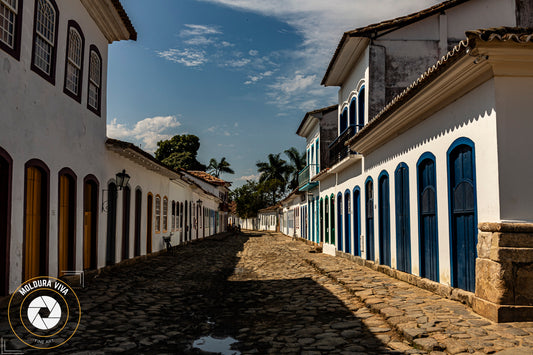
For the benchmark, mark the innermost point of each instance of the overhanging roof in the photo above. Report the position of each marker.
(111, 18)
(306, 121)
(353, 43)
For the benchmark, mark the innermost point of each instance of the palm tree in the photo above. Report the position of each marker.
(216, 168)
(298, 162)
(274, 176)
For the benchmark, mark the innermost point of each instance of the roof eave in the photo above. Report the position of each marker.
(111, 18)
(349, 51)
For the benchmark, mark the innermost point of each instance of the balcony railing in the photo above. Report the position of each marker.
(337, 150)
(305, 174)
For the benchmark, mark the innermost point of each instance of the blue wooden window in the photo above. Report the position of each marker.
(321, 222)
(353, 113)
(361, 108)
(344, 120)
(427, 216)
(403, 233)
(326, 218)
(339, 221)
(356, 213)
(317, 166)
(384, 219)
(463, 213)
(347, 223)
(369, 212)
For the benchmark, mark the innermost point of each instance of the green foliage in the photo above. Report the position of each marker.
(180, 151)
(249, 199)
(216, 168)
(298, 162)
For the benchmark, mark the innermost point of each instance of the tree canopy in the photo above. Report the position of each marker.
(180, 151)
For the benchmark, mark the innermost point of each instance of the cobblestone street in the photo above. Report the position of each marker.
(273, 295)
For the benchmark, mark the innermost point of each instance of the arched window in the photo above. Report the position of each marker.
(157, 214)
(403, 231)
(463, 213)
(343, 120)
(67, 221)
(353, 113)
(10, 26)
(74, 61)
(384, 219)
(165, 214)
(369, 212)
(36, 200)
(427, 217)
(361, 108)
(95, 80)
(45, 39)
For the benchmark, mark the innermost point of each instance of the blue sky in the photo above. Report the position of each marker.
(239, 74)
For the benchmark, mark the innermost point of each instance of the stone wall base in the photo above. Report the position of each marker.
(502, 313)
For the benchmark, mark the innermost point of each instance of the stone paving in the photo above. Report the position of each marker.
(273, 295)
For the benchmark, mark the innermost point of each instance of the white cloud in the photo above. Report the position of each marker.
(321, 25)
(189, 57)
(199, 30)
(255, 78)
(252, 177)
(253, 52)
(237, 63)
(148, 131)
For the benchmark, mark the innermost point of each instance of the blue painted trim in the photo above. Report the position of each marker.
(357, 233)
(423, 157)
(457, 143)
(332, 235)
(370, 180)
(383, 174)
(308, 186)
(340, 219)
(347, 222)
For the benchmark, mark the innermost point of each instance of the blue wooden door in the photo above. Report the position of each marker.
(339, 221)
(403, 235)
(347, 226)
(369, 196)
(356, 213)
(463, 218)
(429, 249)
(384, 221)
(332, 217)
(326, 219)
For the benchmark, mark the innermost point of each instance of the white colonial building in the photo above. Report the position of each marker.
(63, 205)
(430, 165)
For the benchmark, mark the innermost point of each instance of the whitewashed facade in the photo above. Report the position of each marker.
(60, 209)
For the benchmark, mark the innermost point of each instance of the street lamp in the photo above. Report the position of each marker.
(122, 179)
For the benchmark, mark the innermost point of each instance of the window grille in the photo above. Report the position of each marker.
(45, 36)
(74, 59)
(8, 15)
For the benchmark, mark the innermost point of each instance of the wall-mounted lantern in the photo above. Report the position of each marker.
(122, 179)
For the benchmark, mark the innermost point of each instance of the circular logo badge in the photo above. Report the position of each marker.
(44, 312)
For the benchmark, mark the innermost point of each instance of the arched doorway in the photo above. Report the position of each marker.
(356, 212)
(6, 166)
(90, 223)
(403, 235)
(347, 226)
(384, 219)
(126, 204)
(149, 222)
(369, 209)
(427, 216)
(463, 213)
(138, 215)
(67, 222)
(37, 198)
(112, 195)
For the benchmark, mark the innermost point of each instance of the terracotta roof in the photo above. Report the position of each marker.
(310, 113)
(125, 19)
(501, 34)
(371, 31)
(270, 208)
(208, 177)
